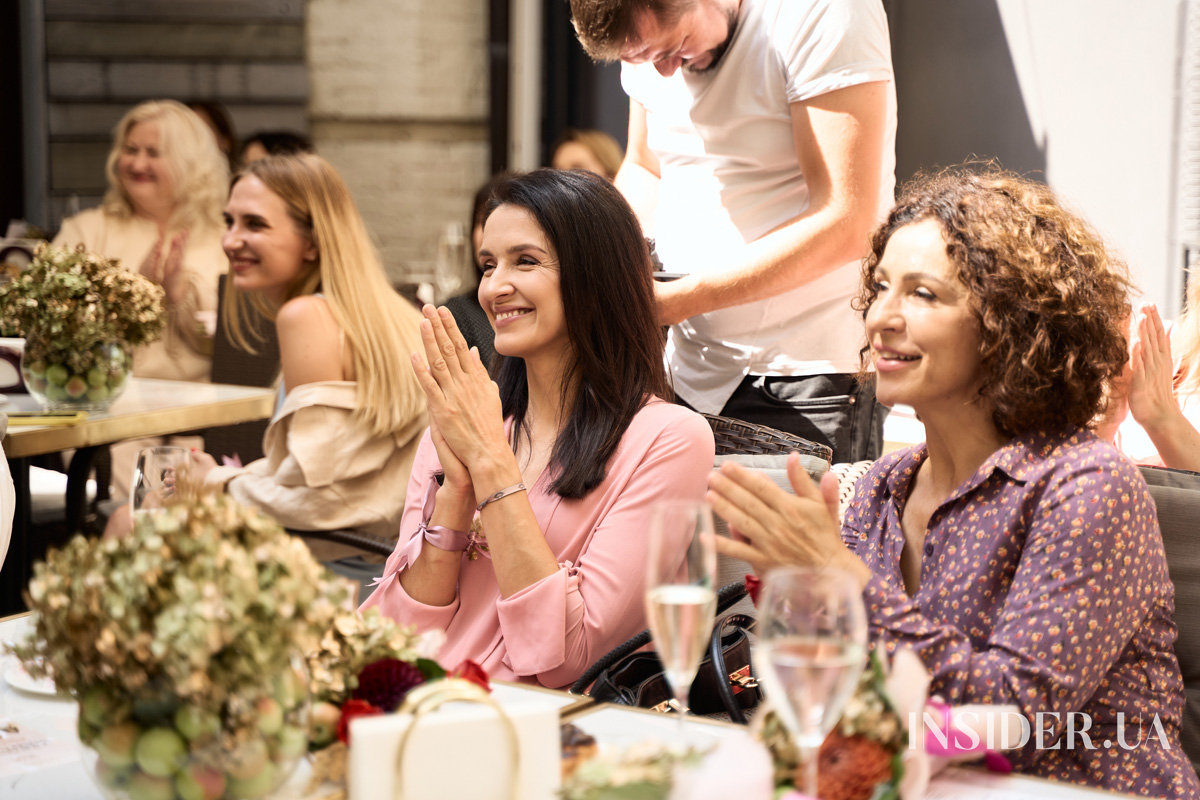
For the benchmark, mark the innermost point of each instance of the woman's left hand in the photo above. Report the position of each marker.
(463, 401)
(777, 528)
(174, 278)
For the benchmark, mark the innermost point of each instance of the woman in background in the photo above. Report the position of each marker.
(161, 217)
(1162, 394)
(217, 118)
(524, 536)
(1014, 551)
(592, 150)
(264, 144)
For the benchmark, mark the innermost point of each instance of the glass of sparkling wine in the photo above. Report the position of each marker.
(157, 477)
(811, 650)
(681, 595)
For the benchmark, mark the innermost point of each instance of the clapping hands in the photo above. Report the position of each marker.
(773, 528)
(1151, 392)
(466, 422)
(167, 272)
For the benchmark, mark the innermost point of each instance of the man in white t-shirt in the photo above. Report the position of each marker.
(761, 154)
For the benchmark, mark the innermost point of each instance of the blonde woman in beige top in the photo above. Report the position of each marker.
(341, 444)
(350, 414)
(161, 217)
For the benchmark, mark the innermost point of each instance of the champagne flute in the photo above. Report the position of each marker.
(157, 477)
(812, 647)
(681, 592)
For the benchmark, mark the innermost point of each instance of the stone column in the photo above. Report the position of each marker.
(398, 103)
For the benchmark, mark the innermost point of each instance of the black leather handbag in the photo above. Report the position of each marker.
(724, 683)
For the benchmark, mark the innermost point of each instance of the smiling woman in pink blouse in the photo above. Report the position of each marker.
(1015, 552)
(524, 531)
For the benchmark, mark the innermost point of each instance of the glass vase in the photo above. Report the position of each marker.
(87, 380)
(151, 745)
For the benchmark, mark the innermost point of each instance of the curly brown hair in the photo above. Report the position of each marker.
(604, 26)
(1051, 300)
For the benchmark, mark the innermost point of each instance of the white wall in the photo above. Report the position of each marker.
(1099, 80)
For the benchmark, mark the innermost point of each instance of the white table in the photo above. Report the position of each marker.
(148, 407)
(611, 725)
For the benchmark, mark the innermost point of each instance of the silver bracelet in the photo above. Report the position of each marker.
(500, 495)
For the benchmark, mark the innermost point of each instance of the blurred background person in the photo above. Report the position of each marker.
(592, 150)
(217, 118)
(161, 216)
(259, 145)
(472, 320)
(1160, 410)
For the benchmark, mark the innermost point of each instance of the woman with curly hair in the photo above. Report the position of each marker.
(1014, 551)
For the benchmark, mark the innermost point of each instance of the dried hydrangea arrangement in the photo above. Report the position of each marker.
(72, 300)
(186, 644)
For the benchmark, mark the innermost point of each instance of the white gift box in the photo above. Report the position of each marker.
(457, 750)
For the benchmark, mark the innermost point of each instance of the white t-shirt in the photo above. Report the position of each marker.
(729, 174)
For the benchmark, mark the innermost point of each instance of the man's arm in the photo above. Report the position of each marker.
(839, 140)
(638, 177)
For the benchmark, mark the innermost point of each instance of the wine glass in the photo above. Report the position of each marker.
(157, 476)
(812, 646)
(681, 592)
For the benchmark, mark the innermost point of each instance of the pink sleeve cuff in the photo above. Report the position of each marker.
(536, 619)
(389, 594)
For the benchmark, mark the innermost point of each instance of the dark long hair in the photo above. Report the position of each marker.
(608, 301)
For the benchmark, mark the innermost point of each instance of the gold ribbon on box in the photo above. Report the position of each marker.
(431, 696)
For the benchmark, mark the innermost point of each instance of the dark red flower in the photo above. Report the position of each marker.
(850, 767)
(470, 671)
(753, 587)
(352, 709)
(384, 683)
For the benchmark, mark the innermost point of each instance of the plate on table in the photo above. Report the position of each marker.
(16, 677)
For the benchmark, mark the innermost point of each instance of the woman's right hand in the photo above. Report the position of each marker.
(774, 528)
(1151, 370)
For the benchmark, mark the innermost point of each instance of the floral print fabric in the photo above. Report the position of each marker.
(1044, 585)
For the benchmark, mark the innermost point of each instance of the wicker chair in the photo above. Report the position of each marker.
(737, 437)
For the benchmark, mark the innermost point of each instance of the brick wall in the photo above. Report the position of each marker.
(398, 104)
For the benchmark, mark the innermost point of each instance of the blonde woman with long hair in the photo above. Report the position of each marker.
(350, 411)
(1163, 393)
(161, 216)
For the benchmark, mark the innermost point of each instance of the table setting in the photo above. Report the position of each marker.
(208, 656)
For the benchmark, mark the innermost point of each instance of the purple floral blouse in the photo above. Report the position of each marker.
(1043, 584)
